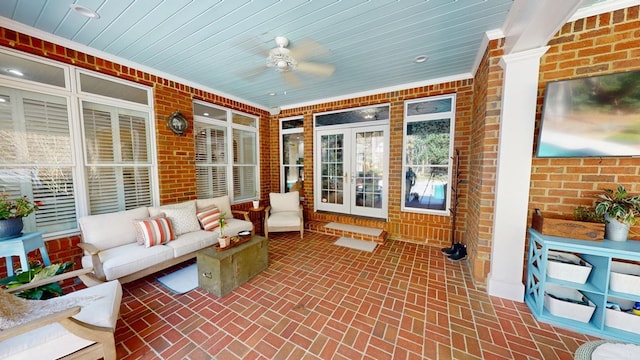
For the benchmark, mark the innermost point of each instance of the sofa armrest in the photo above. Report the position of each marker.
(245, 214)
(90, 249)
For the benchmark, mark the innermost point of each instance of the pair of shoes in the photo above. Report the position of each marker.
(460, 254)
(451, 250)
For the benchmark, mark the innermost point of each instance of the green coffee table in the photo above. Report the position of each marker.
(221, 271)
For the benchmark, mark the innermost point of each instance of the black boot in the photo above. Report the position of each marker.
(451, 250)
(461, 254)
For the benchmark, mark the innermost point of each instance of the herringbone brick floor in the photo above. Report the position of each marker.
(321, 301)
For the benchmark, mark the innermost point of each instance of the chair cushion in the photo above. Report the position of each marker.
(53, 341)
(154, 231)
(284, 201)
(221, 202)
(284, 218)
(209, 218)
(110, 230)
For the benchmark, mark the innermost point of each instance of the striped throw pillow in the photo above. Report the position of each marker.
(155, 231)
(209, 218)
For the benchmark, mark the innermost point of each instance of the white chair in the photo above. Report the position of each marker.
(79, 325)
(284, 213)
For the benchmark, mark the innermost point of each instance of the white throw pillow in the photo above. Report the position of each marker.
(183, 219)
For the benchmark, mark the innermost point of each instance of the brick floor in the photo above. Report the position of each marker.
(321, 301)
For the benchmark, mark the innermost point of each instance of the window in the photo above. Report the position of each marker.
(117, 157)
(76, 153)
(218, 133)
(292, 155)
(428, 148)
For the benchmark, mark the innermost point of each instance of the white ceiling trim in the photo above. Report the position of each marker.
(24, 29)
(603, 7)
(463, 76)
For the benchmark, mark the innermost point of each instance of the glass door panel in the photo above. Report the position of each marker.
(332, 169)
(369, 171)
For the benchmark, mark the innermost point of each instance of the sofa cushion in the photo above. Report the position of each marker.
(284, 201)
(221, 202)
(209, 218)
(284, 218)
(193, 241)
(234, 226)
(183, 216)
(110, 230)
(154, 231)
(128, 259)
(53, 341)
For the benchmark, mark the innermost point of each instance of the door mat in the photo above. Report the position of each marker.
(181, 281)
(356, 244)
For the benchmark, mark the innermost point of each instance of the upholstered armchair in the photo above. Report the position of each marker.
(284, 213)
(79, 325)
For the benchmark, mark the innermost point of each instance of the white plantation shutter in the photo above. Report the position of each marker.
(38, 159)
(41, 130)
(211, 160)
(218, 173)
(117, 153)
(245, 164)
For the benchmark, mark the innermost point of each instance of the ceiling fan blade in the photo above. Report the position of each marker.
(306, 49)
(252, 45)
(253, 72)
(316, 68)
(291, 79)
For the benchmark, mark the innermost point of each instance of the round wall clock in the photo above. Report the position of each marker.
(177, 123)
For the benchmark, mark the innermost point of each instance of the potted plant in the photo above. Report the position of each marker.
(223, 239)
(35, 273)
(619, 210)
(12, 210)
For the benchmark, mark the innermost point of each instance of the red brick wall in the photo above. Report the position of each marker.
(431, 229)
(484, 152)
(603, 44)
(176, 167)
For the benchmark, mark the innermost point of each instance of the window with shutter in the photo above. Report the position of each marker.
(117, 153)
(36, 160)
(220, 133)
(54, 156)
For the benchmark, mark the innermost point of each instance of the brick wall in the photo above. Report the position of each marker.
(176, 166)
(484, 152)
(430, 229)
(603, 44)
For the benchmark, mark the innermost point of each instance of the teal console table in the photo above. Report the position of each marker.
(597, 253)
(21, 246)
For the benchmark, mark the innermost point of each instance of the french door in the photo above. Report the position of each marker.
(352, 167)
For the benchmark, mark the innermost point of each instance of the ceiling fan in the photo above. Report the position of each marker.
(288, 61)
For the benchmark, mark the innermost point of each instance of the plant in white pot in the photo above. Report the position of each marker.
(223, 240)
(619, 209)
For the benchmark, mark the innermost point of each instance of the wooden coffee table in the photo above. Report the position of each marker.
(221, 271)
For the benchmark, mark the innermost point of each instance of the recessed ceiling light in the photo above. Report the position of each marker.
(271, 93)
(15, 72)
(84, 11)
(420, 59)
(206, 114)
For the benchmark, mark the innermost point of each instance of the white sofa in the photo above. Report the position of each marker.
(110, 241)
